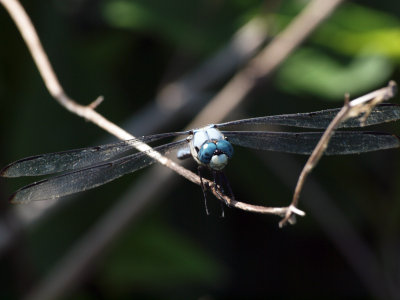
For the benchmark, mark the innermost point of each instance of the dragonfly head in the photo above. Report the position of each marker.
(215, 154)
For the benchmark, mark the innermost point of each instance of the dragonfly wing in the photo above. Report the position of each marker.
(88, 178)
(348, 142)
(321, 119)
(74, 159)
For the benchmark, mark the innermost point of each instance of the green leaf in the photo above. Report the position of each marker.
(352, 29)
(310, 71)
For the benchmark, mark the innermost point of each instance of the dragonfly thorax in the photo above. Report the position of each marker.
(209, 147)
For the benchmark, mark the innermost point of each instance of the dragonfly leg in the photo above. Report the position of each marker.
(220, 190)
(203, 188)
(225, 182)
(228, 185)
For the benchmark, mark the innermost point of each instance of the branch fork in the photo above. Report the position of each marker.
(360, 107)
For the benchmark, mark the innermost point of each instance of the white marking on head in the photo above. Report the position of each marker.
(218, 162)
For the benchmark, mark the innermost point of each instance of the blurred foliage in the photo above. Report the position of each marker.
(354, 29)
(158, 261)
(199, 26)
(126, 50)
(356, 49)
(314, 72)
(363, 42)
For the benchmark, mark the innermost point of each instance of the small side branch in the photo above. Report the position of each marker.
(360, 107)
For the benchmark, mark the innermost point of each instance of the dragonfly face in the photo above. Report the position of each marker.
(209, 147)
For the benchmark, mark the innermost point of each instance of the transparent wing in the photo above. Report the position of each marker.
(75, 159)
(321, 119)
(348, 142)
(88, 178)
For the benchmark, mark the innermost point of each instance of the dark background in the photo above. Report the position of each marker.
(348, 245)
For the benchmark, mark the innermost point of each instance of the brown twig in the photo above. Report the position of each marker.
(182, 96)
(235, 90)
(54, 87)
(233, 93)
(360, 106)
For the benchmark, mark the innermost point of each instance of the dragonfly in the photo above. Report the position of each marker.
(211, 147)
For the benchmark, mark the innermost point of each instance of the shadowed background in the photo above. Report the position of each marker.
(348, 245)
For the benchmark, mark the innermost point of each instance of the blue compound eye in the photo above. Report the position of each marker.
(206, 152)
(225, 147)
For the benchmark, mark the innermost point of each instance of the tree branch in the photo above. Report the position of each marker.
(69, 269)
(54, 87)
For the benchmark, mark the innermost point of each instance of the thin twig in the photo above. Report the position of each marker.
(284, 44)
(182, 96)
(360, 106)
(240, 85)
(54, 87)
